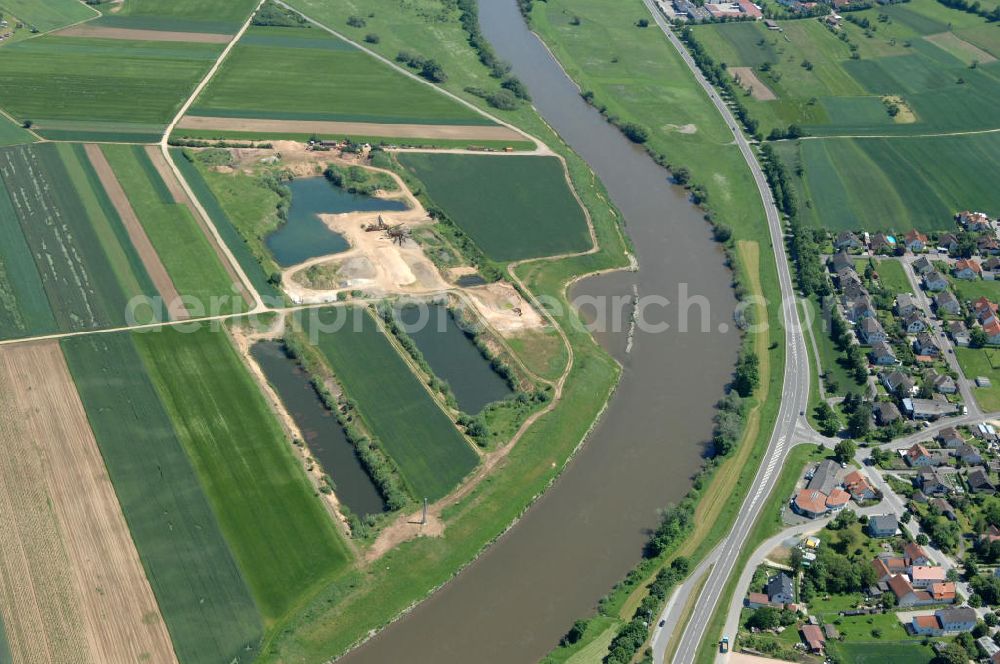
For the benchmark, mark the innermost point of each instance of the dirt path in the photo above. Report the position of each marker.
(180, 196)
(103, 32)
(78, 535)
(451, 132)
(154, 266)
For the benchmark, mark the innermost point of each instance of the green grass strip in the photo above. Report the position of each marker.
(24, 308)
(275, 523)
(204, 600)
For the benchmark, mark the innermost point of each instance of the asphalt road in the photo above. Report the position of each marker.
(795, 399)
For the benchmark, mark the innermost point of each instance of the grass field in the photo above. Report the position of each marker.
(204, 600)
(833, 361)
(973, 290)
(883, 653)
(82, 256)
(99, 89)
(890, 274)
(12, 134)
(512, 207)
(219, 16)
(431, 454)
(229, 207)
(183, 247)
(920, 182)
(50, 14)
(977, 362)
(278, 530)
(308, 74)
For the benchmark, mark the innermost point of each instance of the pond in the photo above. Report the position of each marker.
(453, 356)
(322, 433)
(304, 235)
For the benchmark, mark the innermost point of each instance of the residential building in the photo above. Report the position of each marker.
(905, 304)
(825, 476)
(957, 619)
(841, 261)
(923, 265)
(935, 281)
(991, 267)
(897, 382)
(886, 412)
(928, 409)
(948, 242)
(915, 241)
(969, 454)
(979, 482)
(780, 589)
(925, 345)
(946, 303)
(992, 330)
(846, 240)
(922, 576)
(859, 487)
(932, 483)
(914, 554)
(881, 244)
(987, 245)
(959, 333)
(882, 354)
(968, 269)
(837, 500)
(813, 636)
(973, 221)
(859, 309)
(918, 456)
(882, 525)
(944, 384)
(985, 310)
(870, 331)
(810, 503)
(914, 323)
(944, 507)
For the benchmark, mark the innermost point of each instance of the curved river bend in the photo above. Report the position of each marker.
(514, 603)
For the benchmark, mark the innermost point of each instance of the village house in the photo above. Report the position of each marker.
(945, 621)
(907, 595)
(979, 482)
(923, 265)
(944, 507)
(944, 384)
(851, 287)
(968, 269)
(948, 242)
(914, 554)
(915, 241)
(905, 304)
(918, 456)
(882, 245)
(780, 589)
(886, 565)
(929, 409)
(950, 438)
(913, 322)
(813, 636)
(932, 483)
(885, 412)
(859, 309)
(946, 303)
(985, 310)
(882, 525)
(992, 330)
(987, 245)
(922, 576)
(968, 454)
(841, 261)
(859, 488)
(991, 266)
(924, 344)
(871, 331)
(897, 382)
(934, 281)
(882, 354)
(959, 333)
(973, 221)
(846, 240)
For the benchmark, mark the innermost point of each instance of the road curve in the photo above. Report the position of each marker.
(794, 400)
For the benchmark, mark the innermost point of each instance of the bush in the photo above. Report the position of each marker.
(356, 22)
(372, 38)
(634, 132)
(503, 99)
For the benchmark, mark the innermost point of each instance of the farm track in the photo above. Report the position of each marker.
(137, 234)
(120, 619)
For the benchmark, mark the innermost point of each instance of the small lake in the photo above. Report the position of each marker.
(453, 356)
(319, 427)
(304, 235)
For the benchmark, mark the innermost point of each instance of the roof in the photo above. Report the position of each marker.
(913, 551)
(881, 569)
(780, 583)
(813, 636)
(968, 263)
(838, 498)
(917, 451)
(926, 622)
(958, 614)
(883, 522)
(900, 585)
(825, 477)
(943, 590)
(978, 479)
(924, 573)
(758, 598)
(810, 500)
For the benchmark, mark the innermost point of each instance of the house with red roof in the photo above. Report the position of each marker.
(813, 636)
(918, 456)
(968, 269)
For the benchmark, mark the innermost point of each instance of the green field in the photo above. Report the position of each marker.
(977, 362)
(81, 253)
(839, 380)
(99, 89)
(48, 14)
(204, 599)
(883, 653)
(431, 454)
(278, 530)
(308, 74)
(512, 207)
(893, 184)
(218, 16)
(890, 272)
(228, 207)
(182, 245)
(975, 289)
(12, 134)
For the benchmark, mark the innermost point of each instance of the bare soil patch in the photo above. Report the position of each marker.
(746, 78)
(451, 132)
(154, 266)
(73, 586)
(681, 129)
(905, 114)
(131, 34)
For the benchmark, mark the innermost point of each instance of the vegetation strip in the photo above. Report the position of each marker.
(202, 595)
(265, 126)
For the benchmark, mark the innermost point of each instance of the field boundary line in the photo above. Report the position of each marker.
(971, 132)
(165, 150)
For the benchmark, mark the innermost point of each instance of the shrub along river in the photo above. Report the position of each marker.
(304, 235)
(583, 535)
(322, 433)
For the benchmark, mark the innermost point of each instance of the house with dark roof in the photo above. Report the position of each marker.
(945, 621)
(913, 323)
(886, 412)
(846, 240)
(905, 304)
(882, 354)
(924, 344)
(932, 483)
(882, 525)
(923, 265)
(979, 482)
(987, 245)
(950, 438)
(825, 477)
(968, 454)
(841, 261)
(859, 309)
(934, 281)
(870, 331)
(897, 382)
(959, 333)
(944, 384)
(780, 589)
(944, 507)
(948, 242)
(929, 409)
(945, 302)
(882, 245)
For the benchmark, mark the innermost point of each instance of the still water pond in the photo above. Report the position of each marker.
(304, 235)
(453, 356)
(320, 429)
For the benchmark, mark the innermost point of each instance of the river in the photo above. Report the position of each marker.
(513, 604)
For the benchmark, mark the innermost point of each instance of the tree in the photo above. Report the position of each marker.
(575, 633)
(747, 374)
(681, 175)
(859, 423)
(978, 338)
(922, 539)
(642, 23)
(27, 124)
(634, 132)
(766, 617)
(845, 450)
(952, 654)
(372, 38)
(829, 423)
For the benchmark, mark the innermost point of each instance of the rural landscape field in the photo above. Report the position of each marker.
(502, 331)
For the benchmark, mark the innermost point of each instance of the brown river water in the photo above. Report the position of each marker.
(514, 603)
